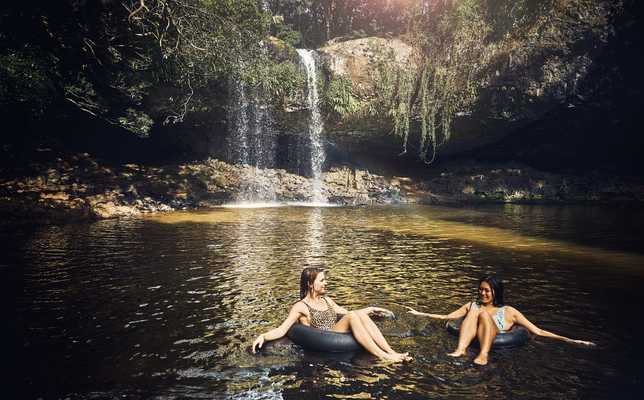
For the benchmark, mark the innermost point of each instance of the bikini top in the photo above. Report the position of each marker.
(498, 317)
(322, 319)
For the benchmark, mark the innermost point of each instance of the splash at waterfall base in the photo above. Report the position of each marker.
(77, 187)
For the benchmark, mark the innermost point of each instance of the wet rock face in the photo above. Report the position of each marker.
(359, 60)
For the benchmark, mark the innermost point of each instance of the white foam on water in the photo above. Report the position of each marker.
(265, 204)
(276, 204)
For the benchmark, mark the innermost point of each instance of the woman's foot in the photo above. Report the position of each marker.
(456, 353)
(390, 357)
(395, 353)
(481, 359)
(397, 357)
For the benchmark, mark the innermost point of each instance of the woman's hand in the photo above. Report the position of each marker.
(414, 312)
(379, 311)
(259, 342)
(582, 342)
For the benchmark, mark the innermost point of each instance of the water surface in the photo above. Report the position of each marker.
(166, 307)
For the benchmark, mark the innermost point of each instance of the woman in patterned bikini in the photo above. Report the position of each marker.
(320, 311)
(487, 317)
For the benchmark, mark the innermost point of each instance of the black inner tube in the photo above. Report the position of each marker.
(321, 340)
(516, 336)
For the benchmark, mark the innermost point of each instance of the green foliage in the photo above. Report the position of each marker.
(338, 97)
(448, 72)
(113, 59)
(285, 32)
(462, 47)
(107, 57)
(279, 82)
(438, 83)
(323, 20)
(201, 40)
(291, 37)
(137, 122)
(395, 86)
(24, 81)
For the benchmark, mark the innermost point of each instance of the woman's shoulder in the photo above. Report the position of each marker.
(299, 306)
(471, 304)
(509, 309)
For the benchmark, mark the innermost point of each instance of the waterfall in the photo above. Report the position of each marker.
(251, 143)
(315, 126)
(238, 118)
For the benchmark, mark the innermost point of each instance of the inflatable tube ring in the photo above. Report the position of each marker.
(321, 340)
(516, 336)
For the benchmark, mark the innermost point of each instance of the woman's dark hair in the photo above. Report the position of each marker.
(497, 289)
(307, 278)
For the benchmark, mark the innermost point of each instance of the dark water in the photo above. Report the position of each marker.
(166, 307)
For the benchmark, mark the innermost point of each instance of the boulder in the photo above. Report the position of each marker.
(360, 59)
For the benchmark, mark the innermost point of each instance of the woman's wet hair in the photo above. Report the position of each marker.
(497, 289)
(307, 278)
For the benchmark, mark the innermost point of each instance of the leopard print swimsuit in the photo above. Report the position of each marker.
(322, 319)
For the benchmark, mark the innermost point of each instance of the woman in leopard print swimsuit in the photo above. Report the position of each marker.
(321, 312)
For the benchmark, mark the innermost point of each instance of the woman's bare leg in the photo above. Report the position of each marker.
(375, 333)
(353, 323)
(467, 332)
(486, 333)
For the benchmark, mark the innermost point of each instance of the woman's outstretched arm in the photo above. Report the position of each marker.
(516, 317)
(369, 310)
(460, 313)
(280, 331)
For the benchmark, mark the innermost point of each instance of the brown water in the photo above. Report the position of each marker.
(166, 307)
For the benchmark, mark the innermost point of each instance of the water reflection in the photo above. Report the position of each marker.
(167, 306)
(314, 252)
(457, 224)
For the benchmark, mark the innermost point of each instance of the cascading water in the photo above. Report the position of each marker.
(316, 125)
(251, 144)
(238, 132)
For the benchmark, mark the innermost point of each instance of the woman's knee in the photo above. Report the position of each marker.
(484, 317)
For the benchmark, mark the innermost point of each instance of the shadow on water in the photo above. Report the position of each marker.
(167, 306)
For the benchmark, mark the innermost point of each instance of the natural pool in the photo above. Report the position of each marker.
(166, 306)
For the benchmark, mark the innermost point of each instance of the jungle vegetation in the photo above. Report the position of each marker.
(144, 65)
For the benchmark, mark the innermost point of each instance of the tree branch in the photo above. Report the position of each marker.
(141, 6)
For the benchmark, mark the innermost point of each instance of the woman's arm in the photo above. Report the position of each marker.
(460, 313)
(518, 318)
(368, 310)
(336, 307)
(280, 331)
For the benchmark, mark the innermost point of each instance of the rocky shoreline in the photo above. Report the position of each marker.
(526, 185)
(78, 187)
